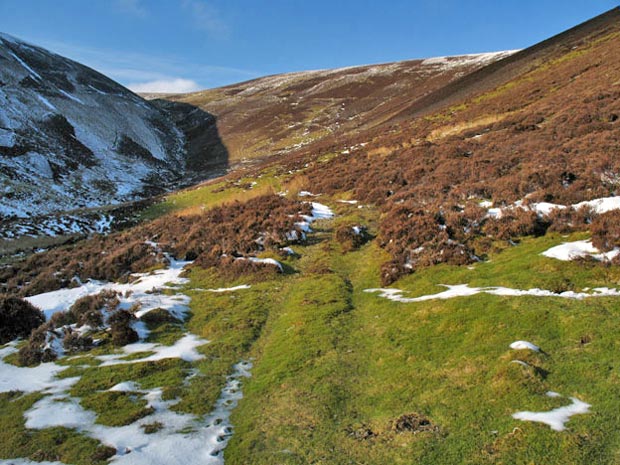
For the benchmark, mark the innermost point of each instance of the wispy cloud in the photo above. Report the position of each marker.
(166, 86)
(132, 7)
(206, 17)
(134, 69)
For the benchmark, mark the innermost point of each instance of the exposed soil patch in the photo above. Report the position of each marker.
(412, 423)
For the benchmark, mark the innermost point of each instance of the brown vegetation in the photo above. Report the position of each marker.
(275, 114)
(232, 230)
(541, 127)
(351, 236)
(36, 350)
(88, 310)
(555, 142)
(18, 318)
(120, 328)
(605, 230)
(74, 342)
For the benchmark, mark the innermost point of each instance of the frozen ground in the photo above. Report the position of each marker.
(183, 439)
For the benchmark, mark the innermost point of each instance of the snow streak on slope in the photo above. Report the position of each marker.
(480, 59)
(71, 138)
(463, 290)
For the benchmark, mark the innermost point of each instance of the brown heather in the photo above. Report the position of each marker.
(232, 230)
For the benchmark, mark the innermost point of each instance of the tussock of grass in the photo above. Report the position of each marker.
(116, 408)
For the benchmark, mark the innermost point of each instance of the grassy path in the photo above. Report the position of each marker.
(336, 368)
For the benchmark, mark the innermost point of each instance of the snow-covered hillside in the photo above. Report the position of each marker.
(72, 138)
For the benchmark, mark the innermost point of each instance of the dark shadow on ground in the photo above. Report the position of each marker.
(207, 156)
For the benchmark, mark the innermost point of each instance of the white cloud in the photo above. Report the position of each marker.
(166, 86)
(126, 66)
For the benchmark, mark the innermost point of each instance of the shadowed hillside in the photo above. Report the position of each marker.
(73, 143)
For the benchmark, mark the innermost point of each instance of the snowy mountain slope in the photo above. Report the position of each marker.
(72, 138)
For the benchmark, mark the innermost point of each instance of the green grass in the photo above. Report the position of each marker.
(232, 321)
(116, 408)
(331, 361)
(210, 195)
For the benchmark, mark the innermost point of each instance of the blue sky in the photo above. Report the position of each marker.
(183, 45)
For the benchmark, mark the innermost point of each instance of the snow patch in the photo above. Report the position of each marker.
(555, 418)
(27, 379)
(520, 362)
(463, 290)
(321, 212)
(229, 289)
(184, 348)
(598, 206)
(267, 261)
(524, 345)
(126, 386)
(38, 163)
(138, 291)
(579, 249)
(182, 438)
(451, 62)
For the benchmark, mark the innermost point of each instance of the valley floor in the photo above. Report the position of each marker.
(516, 362)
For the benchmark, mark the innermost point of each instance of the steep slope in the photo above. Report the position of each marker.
(548, 134)
(276, 114)
(72, 138)
(524, 61)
